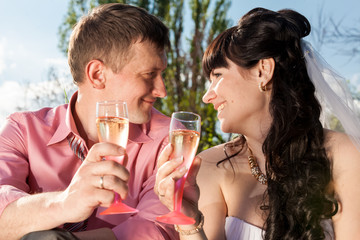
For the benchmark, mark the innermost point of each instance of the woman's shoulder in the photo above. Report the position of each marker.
(339, 145)
(210, 158)
(344, 156)
(213, 154)
(345, 164)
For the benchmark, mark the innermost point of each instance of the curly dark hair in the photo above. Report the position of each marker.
(297, 166)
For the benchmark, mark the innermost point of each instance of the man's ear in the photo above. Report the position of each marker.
(266, 70)
(95, 74)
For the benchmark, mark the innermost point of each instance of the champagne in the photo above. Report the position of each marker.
(113, 129)
(185, 144)
(184, 137)
(112, 125)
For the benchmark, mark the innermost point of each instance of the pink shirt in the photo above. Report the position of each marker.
(35, 157)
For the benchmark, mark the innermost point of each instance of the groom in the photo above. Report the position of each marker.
(52, 179)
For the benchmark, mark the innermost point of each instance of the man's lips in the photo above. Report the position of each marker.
(150, 101)
(220, 106)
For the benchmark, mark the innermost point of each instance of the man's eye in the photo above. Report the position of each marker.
(150, 75)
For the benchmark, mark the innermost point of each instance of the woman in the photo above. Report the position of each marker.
(284, 176)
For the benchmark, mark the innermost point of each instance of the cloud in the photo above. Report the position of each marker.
(11, 96)
(61, 64)
(15, 96)
(355, 81)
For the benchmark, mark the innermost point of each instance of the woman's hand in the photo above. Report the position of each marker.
(168, 173)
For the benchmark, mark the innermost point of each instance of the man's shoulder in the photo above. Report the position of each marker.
(158, 125)
(45, 116)
(159, 119)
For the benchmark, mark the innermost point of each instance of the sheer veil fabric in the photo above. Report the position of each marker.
(332, 93)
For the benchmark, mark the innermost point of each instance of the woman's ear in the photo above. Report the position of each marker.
(95, 74)
(266, 70)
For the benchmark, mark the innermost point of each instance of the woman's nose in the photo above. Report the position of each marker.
(209, 96)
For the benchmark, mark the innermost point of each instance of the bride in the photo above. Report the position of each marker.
(284, 176)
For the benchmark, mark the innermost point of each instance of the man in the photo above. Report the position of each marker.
(117, 52)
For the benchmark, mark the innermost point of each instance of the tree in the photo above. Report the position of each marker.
(347, 37)
(50, 93)
(183, 78)
(327, 31)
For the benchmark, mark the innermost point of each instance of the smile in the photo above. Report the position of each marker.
(149, 101)
(221, 107)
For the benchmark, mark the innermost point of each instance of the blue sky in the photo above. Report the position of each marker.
(28, 38)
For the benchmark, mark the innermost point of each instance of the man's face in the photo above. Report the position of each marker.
(139, 82)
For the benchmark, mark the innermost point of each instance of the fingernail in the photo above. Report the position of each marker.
(179, 160)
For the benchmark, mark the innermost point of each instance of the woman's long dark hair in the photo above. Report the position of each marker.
(297, 166)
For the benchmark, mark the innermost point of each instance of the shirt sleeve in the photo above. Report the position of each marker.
(13, 164)
(144, 225)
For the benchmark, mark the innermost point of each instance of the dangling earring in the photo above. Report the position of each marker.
(262, 88)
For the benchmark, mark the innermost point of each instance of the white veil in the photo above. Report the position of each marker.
(332, 92)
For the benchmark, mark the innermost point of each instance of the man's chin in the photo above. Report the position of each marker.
(140, 118)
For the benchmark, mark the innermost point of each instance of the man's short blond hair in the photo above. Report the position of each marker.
(107, 34)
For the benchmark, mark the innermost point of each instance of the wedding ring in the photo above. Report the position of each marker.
(102, 182)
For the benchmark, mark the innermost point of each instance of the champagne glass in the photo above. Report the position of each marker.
(112, 124)
(184, 137)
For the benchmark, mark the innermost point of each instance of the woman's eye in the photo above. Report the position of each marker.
(217, 75)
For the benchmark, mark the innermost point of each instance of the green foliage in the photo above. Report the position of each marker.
(335, 124)
(184, 79)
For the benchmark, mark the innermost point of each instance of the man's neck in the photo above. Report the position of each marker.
(84, 113)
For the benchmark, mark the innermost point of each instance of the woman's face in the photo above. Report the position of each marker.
(235, 94)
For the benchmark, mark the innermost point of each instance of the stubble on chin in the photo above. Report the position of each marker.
(140, 117)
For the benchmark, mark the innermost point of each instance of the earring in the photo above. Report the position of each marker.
(262, 88)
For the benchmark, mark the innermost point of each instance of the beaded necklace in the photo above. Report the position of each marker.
(255, 169)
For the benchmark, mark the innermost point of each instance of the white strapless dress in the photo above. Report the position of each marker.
(237, 229)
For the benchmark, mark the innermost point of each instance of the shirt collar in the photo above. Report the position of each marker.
(138, 133)
(65, 127)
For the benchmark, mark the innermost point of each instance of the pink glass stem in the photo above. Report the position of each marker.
(117, 198)
(178, 195)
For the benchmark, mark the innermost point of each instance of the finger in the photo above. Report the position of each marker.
(164, 155)
(99, 150)
(111, 183)
(167, 184)
(178, 173)
(125, 160)
(165, 170)
(169, 193)
(166, 194)
(194, 169)
(115, 184)
(104, 197)
(110, 168)
(170, 166)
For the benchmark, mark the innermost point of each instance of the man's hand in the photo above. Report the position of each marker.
(94, 183)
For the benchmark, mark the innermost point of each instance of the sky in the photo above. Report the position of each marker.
(29, 39)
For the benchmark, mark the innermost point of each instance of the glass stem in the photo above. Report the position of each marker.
(179, 190)
(117, 198)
